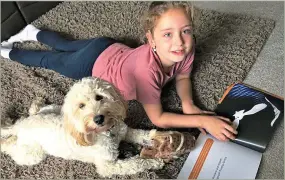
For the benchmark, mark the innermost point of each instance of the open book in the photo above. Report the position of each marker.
(255, 114)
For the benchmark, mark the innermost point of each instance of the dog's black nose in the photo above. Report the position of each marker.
(99, 119)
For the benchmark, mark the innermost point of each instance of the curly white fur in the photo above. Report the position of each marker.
(72, 132)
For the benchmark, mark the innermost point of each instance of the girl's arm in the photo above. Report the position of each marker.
(215, 125)
(184, 91)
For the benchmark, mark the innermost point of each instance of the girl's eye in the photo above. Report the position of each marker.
(98, 97)
(81, 105)
(167, 35)
(187, 31)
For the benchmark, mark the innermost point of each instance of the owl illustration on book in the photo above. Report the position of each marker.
(242, 91)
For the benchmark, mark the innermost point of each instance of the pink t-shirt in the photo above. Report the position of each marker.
(137, 73)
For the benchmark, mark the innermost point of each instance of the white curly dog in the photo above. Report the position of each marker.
(88, 127)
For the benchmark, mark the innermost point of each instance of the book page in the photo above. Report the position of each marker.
(214, 159)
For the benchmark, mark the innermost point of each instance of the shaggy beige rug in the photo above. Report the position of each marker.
(227, 47)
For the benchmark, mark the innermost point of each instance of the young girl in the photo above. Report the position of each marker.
(138, 73)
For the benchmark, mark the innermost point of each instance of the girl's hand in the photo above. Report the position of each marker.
(190, 108)
(218, 127)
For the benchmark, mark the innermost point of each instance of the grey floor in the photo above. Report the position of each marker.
(267, 73)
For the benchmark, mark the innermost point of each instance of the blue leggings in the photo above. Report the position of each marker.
(74, 59)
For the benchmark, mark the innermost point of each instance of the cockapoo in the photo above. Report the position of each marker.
(88, 127)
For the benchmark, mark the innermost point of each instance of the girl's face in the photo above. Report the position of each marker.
(172, 37)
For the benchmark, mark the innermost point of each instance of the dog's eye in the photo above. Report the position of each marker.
(81, 105)
(98, 97)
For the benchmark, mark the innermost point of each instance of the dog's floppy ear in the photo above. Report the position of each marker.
(120, 98)
(121, 101)
(80, 138)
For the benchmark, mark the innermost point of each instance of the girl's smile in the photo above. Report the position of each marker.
(179, 52)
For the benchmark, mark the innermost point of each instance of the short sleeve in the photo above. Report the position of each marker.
(148, 89)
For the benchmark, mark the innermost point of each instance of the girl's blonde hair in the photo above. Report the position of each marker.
(157, 8)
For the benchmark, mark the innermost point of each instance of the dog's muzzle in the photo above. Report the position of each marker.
(99, 119)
